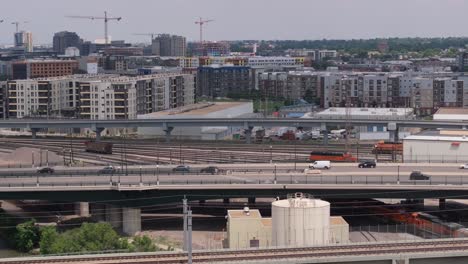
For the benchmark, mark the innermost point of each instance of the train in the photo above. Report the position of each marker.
(385, 147)
(98, 147)
(421, 220)
(332, 156)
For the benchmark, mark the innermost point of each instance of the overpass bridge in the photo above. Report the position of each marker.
(247, 123)
(120, 199)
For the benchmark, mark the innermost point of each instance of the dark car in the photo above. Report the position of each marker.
(46, 170)
(419, 176)
(107, 170)
(181, 168)
(367, 164)
(211, 169)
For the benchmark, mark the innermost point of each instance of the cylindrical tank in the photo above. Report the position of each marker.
(300, 221)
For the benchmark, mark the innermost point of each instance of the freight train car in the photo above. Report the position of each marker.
(385, 147)
(332, 156)
(98, 147)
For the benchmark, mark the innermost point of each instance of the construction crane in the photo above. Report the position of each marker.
(106, 20)
(17, 23)
(147, 34)
(202, 22)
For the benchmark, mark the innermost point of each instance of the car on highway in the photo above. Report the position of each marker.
(419, 176)
(107, 170)
(320, 164)
(48, 170)
(181, 168)
(367, 164)
(464, 166)
(211, 170)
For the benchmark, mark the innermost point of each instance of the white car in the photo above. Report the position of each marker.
(464, 166)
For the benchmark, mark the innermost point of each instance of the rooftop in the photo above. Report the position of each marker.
(452, 111)
(253, 214)
(194, 110)
(337, 220)
(357, 112)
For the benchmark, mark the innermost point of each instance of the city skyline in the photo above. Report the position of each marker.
(241, 19)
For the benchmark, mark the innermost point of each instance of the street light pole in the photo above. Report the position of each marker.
(157, 175)
(275, 174)
(398, 179)
(271, 154)
(141, 178)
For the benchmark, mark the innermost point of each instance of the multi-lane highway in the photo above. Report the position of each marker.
(236, 174)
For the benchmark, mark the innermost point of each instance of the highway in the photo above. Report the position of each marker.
(238, 122)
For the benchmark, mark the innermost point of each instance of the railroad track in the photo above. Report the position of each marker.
(236, 256)
(151, 152)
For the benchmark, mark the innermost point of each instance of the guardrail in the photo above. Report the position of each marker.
(125, 181)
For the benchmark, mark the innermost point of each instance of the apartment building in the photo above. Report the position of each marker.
(273, 84)
(3, 102)
(36, 68)
(99, 96)
(166, 45)
(222, 81)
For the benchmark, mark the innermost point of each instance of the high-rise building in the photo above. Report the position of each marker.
(64, 39)
(166, 45)
(222, 81)
(23, 39)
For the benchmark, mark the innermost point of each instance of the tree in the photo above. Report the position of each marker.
(49, 236)
(143, 244)
(27, 236)
(89, 237)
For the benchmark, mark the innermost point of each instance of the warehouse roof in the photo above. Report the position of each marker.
(197, 110)
(437, 138)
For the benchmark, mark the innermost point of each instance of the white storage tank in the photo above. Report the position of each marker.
(300, 221)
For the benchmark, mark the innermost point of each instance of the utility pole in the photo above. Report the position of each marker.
(185, 211)
(189, 230)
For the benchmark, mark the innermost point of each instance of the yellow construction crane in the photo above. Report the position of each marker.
(106, 20)
(202, 22)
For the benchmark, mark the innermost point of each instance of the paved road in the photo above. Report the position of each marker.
(280, 167)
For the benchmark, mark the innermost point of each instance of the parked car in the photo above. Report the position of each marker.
(211, 169)
(320, 164)
(419, 176)
(464, 166)
(46, 170)
(107, 170)
(181, 168)
(367, 164)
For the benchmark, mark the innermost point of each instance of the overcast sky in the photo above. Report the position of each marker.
(240, 19)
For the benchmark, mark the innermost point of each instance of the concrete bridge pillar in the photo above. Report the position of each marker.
(226, 201)
(393, 132)
(98, 131)
(98, 212)
(34, 132)
(82, 209)
(251, 200)
(168, 131)
(248, 135)
(400, 261)
(131, 220)
(442, 204)
(324, 131)
(114, 215)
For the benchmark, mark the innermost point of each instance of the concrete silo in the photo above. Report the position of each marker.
(300, 221)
